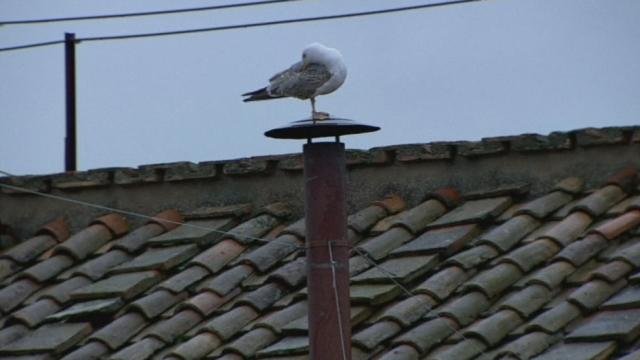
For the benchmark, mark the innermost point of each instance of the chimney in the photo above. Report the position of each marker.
(326, 238)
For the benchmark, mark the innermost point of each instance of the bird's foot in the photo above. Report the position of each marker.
(319, 115)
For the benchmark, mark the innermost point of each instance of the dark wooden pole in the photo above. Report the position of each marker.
(70, 156)
(326, 237)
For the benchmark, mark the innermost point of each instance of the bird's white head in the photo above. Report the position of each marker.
(320, 54)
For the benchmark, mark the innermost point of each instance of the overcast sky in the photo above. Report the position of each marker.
(463, 72)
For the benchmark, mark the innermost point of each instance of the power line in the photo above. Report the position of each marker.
(144, 13)
(248, 25)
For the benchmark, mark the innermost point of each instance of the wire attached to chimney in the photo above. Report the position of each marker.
(337, 300)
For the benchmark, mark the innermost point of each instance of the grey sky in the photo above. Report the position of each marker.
(461, 72)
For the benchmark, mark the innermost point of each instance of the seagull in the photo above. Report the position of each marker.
(321, 71)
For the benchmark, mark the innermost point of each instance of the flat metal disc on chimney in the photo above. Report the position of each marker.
(310, 129)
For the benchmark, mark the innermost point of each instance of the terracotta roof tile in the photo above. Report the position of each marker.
(61, 292)
(630, 254)
(543, 206)
(115, 334)
(278, 319)
(587, 351)
(263, 297)
(493, 329)
(409, 310)
(528, 300)
(207, 231)
(626, 299)
(248, 344)
(168, 330)
(464, 350)
(127, 285)
(288, 346)
(292, 274)
(155, 303)
(229, 323)
(85, 242)
(623, 325)
(623, 223)
(612, 271)
(30, 249)
(374, 294)
(164, 258)
(601, 200)
(48, 338)
(464, 309)
(475, 211)
(372, 336)
(12, 333)
(447, 240)
(219, 255)
(570, 185)
(140, 350)
(88, 309)
(135, 240)
(207, 302)
(528, 345)
(268, 255)
(473, 257)
(48, 268)
(400, 352)
(97, 267)
(90, 350)
(184, 279)
(583, 273)
(416, 219)
(12, 295)
(381, 245)
(366, 218)
(428, 334)
(568, 230)
(580, 251)
(507, 235)
(228, 280)
(197, 347)
(32, 315)
(552, 275)
(533, 254)
(443, 283)
(590, 295)
(8, 267)
(491, 282)
(555, 318)
(403, 269)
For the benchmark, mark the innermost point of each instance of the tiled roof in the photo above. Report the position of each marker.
(501, 273)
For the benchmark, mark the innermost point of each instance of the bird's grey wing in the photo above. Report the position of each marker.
(293, 68)
(298, 82)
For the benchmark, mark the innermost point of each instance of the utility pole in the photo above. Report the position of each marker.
(327, 244)
(70, 156)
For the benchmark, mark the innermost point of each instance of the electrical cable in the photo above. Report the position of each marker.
(246, 25)
(143, 13)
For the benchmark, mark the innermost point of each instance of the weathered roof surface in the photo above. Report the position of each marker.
(489, 274)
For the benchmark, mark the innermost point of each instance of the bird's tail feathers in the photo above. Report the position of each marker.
(260, 94)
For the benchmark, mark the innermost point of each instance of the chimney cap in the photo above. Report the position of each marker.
(309, 129)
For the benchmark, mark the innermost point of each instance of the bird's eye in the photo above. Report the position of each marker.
(304, 56)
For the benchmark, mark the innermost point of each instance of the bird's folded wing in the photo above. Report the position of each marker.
(299, 82)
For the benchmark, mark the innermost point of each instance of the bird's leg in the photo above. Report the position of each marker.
(317, 115)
